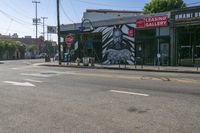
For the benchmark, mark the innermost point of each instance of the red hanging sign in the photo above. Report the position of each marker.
(131, 32)
(155, 21)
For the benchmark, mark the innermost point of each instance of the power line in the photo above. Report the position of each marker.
(66, 14)
(19, 21)
(103, 4)
(9, 25)
(15, 10)
(195, 3)
(73, 8)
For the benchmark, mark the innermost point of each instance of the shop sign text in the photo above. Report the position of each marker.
(184, 16)
(148, 22)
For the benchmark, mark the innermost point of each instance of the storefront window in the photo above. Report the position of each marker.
(188, 41)
(149, 43)
(146, 46)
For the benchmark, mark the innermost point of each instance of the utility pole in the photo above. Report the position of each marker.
(36, 22)
(58, 25)
(43, 21)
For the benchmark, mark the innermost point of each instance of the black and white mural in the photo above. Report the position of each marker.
(117, 46)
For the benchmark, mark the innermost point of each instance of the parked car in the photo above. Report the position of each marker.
(42, 55)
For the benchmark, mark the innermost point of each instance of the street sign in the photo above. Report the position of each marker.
(52, 29)
(131, 32)
(69, 40)
(36, 21)
(81, 29)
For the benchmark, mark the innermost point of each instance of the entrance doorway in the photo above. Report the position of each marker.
(149, 48)
(145, 51)
(188, 42)
(164, 50)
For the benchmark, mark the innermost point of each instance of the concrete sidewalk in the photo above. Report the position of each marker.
(179, 69)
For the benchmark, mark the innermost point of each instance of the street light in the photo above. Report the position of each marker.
(82, 25)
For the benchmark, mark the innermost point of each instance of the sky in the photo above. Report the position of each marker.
(16, 15)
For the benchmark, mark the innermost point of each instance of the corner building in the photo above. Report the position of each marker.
(168, 38)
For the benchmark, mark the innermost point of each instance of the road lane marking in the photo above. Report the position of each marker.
(19, 83)
(130, 93)
(35, 75)
(31, 80)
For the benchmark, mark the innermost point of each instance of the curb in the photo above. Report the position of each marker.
(127, 69)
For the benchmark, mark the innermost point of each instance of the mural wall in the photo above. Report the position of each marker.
(117, 46)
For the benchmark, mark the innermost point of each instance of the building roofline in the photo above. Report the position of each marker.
(109, 22)
(186, 8)
(112, 11)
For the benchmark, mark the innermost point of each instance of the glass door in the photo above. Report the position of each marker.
(189, 45)
(164, 52)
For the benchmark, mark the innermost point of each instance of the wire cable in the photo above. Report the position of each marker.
(9, 25)
(104, 4)
(19, 21)
(66, 14)
(15, 10)
(73, 9)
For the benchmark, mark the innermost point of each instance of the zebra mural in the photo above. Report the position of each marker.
(117, 46)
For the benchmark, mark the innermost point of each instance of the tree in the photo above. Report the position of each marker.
(155, 6)
(21, 48)
(2, 49)
(31, 48)
(9, 47)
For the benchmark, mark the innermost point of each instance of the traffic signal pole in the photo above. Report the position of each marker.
(58, 25)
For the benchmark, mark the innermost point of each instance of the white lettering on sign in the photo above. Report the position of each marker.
(184, 16)
(155, 21)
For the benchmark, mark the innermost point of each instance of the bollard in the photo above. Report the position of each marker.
(78, 61)
(92, 60)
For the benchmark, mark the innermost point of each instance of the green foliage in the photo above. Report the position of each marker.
(49, 49)
(31, 48)
(155, 6)
(9, 47)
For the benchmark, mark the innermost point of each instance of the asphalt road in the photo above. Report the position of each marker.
(38, 99)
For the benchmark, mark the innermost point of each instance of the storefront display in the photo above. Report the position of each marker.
(187, 27)
(150, 40)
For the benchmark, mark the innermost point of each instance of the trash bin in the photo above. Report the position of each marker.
(47, 58)
(92, 61)
(86, 61)
(67, 57)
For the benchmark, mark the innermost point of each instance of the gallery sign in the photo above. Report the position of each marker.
(149, 22)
